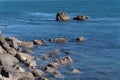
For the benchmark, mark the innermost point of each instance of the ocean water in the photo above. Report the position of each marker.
(98, 58)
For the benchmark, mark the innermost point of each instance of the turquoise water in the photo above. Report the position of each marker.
(98, 58)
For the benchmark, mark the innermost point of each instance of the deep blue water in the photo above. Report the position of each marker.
(98, 58)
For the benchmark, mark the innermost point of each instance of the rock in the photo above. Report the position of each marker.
(38, 42)
(27, 44)
(54, 51)
(80, 17)
(18, 68)
(62, 16)
(2, 51)
(64, 60)
(56, 74)
(80, 39)
(27, 59)
(58, 40)
(8, 60)
(38, 73)
(43, 78)
(75, 71)
(45, 57)
(26, 51)
(49, 69)
(53, 64)
(1, 35)
(8, 73)
(23, 57)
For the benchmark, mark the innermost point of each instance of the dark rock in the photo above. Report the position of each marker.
(43, 78)
(80, 17)
(62, 16)
(58, 40)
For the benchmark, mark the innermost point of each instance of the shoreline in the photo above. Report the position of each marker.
(18, 64)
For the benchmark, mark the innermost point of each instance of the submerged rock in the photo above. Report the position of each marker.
(64, 60)
(58, 40)
(62, 16)
(38, 42)
(80, 17)
(27, 44)
(80, 39)
(75, 71)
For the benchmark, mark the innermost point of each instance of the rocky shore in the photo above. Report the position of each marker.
(17, 64)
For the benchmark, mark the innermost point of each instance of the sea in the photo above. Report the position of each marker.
(97, 58)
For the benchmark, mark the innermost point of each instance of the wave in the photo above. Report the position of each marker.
(42, 14)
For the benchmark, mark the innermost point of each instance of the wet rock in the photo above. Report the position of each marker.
(27, 59)
(58, 40)
(26, 51)
(53, 64)
(56, 74)
(62, 16)
(43, 78)
(80, 17)
(64, 60)
(38, 42)
(75, 71)
(45, 57)
(18, 68)
(7, 60)
(38, 73)
(49, 69)
(80, 39)
(27, 44)
(54, 51)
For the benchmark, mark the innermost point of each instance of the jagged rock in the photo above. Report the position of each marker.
(75, 71)
(80, 39)
(7, 60)
(53, 64)
(27, 44)
(62, 16)
(18, 68)
(38, 73)
(80, 17)
(58, 40)
(38, 42)
(64, 60)
(2, 51)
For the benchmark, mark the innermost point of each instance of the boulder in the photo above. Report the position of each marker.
(26, 51)
(62, 16)
(75, 71)
(38, 73)
(43, 78)
(57, 74)
(2, 51)
(8, 60)
(27, 44)
(8, 73)
(38, 42)
(80, 17)
(27, 59)
(64, 60)
(80, 39)
(58, 40)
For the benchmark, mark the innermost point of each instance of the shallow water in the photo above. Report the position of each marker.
(98, 58)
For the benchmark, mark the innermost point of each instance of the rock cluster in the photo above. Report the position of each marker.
(63, 16)
(17, 64)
